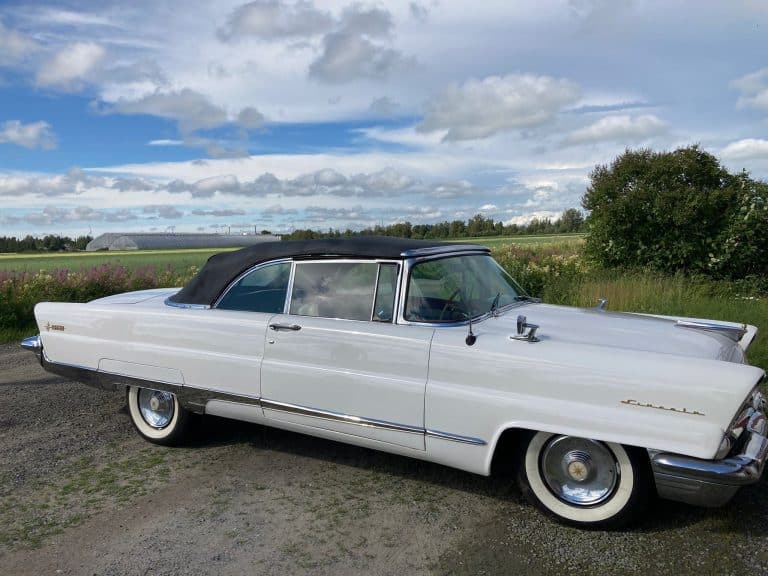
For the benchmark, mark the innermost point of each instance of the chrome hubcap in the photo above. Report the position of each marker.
(156, 407)
(578, 471)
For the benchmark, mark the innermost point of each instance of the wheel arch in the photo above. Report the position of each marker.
(511, 438)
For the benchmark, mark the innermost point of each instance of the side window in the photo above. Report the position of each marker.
(262, 290)
(334, 289)
(386, 287)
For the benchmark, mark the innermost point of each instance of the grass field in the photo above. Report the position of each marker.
(177, 259)
(497, 241)
(183, 259)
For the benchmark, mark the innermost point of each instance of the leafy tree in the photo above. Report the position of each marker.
(678, 210)
(571, 221)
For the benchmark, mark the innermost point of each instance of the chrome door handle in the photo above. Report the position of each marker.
(276, 327)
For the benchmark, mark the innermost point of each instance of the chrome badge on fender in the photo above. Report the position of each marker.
(658, 407)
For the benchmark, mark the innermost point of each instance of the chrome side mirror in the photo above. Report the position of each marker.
(522, 325)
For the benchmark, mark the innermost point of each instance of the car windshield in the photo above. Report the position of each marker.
(454, 288)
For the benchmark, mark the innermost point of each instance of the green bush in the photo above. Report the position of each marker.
(548, 271)
(677, 211)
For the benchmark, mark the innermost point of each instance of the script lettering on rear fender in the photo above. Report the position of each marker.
(659, 407)
(55, 327)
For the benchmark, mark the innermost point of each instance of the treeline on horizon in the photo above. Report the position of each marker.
(48, 243)
(570, 221)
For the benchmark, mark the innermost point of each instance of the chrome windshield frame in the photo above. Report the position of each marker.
(407, 267)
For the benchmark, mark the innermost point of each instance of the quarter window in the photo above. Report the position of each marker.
(262, 290)
(334, 289)
(386, 287)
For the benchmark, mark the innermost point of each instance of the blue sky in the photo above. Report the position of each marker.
(282, 114)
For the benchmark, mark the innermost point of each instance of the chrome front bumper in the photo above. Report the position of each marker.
(712, 483)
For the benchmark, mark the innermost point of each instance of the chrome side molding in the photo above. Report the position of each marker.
(195, 400)
(171, 303)
(732, 332)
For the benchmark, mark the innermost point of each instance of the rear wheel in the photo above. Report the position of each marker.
(158, 416)
(584, 482)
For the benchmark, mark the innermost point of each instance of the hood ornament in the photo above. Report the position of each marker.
(601, 303)
(522, 325)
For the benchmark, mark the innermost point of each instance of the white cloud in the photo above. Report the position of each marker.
(383, 107)
(57, 215)
(72, 183)
(600, 13)
(32, 135)
(482, 108)
(754, 90)
(621, 128)
(317, 214)
(748, 148)
(71, 66)
(250, 118)
(72, 18)
(275, 20)
(218, 213)
(14, 46)
(355, 49)
(190, 109)
(452, 190)
(164, 211)
(277, 209)
(165, 142)
(538, 215)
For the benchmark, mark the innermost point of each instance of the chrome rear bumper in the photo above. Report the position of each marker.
(712, 483)
(34, 344)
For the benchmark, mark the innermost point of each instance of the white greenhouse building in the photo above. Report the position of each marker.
(144, 241)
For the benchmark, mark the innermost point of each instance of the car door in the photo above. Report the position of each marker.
(229, 339)
(337, 360)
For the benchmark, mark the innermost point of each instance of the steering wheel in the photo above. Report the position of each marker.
(449, 302)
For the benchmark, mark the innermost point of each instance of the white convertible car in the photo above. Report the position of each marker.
(431, 350)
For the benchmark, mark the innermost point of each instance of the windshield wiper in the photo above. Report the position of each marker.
(521, 298)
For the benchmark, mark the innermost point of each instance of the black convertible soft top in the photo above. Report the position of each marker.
(221, 269)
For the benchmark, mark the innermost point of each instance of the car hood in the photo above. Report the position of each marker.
(606, 329)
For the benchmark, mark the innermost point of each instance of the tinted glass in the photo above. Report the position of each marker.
(262, 290)
(449, 289)
(384, 309)
(334, 289)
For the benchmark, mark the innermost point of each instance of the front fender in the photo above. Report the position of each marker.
(645, 399)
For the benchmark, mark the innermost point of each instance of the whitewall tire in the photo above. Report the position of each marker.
(157, 415)
(584, 482)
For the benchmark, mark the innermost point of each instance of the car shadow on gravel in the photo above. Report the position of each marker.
(747, 512)
(29, 382)
(222, 431)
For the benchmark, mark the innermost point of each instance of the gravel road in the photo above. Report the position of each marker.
(81, 493)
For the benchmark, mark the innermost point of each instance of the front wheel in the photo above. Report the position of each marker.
(158, 416)
(584, 482)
